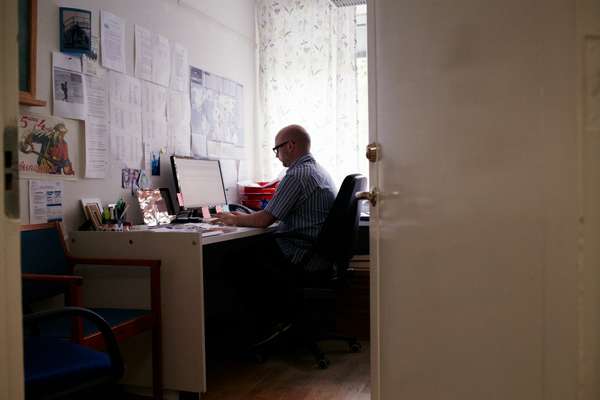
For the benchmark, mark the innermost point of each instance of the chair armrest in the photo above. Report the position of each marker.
(74, 279)
(108, 335)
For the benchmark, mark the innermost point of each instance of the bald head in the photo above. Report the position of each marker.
(291, 143)
(298, 135)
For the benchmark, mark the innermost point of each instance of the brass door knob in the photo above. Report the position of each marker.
(370, 196)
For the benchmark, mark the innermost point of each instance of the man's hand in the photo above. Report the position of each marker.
(230, 219)
(260, 219)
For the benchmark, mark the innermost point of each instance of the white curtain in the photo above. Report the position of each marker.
(307, 75)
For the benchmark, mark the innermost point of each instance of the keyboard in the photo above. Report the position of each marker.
(181, 219)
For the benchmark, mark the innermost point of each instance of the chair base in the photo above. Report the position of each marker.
(259, 352)
(321, 359)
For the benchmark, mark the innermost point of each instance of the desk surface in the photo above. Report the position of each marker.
(210, 233)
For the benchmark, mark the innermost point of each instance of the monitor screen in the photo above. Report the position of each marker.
(199, 183)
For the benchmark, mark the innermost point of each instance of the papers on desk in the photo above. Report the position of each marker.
(211, 231)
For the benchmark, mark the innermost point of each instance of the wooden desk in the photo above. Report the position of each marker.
(182, 280)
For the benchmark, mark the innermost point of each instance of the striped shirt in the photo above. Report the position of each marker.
(301, 204)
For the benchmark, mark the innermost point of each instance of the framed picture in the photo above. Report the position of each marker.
(95, 215)
(85, 202)
(75, 30)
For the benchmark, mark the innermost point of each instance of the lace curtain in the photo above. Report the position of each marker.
(307, 76)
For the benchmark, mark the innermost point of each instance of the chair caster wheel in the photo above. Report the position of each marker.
(355, 347)
(323, 363)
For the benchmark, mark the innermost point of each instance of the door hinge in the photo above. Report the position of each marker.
(373, 150)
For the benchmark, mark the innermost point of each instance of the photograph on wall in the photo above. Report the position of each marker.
(68, 90)
(217, 107)
(75, 30)
(44, 147)
(68, 86)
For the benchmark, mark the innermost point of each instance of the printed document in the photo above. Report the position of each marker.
(96, 127)
(45, 201)
(112, 41)
(125, 119)
(180, 69)
(143, 53)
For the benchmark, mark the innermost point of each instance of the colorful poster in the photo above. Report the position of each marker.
(44, 145)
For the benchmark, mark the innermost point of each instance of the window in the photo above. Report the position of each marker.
(311, 66)
(362, 88)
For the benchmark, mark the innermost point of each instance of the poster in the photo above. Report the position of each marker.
(44, 147)
(216, 107)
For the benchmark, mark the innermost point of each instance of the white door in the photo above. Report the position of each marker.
(11, 364)
(474, 237)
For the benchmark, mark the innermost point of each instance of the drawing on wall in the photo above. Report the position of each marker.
(217, 107)
(592, 83)
(75, 30)
(44, 147)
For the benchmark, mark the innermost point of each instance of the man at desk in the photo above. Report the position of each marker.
(300, 204)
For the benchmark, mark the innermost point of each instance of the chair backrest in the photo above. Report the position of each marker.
(43, 252)
(338, 237)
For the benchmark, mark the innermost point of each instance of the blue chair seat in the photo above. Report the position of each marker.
(58, 363)
(61, 328)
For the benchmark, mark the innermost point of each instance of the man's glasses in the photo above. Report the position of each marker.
(276, 148)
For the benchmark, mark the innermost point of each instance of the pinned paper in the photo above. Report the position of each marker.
(205, 212)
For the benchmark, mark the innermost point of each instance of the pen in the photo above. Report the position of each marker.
(123, 213)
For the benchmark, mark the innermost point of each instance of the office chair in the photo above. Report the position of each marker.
(326, 266)
(48, 270)
(325, 269)
(56, 368)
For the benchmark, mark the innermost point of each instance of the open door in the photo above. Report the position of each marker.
(475, 232)
(11, 348)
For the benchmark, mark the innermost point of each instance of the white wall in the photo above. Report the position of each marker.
(219, 36)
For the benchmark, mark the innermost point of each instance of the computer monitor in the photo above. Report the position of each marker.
(199, 183)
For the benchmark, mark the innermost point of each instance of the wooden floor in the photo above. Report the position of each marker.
(293, 375)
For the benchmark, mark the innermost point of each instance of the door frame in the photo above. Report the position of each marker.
(374, 291)
(11, 346)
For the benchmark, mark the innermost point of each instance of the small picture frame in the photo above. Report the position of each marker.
(95, 215)
(75, 30)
